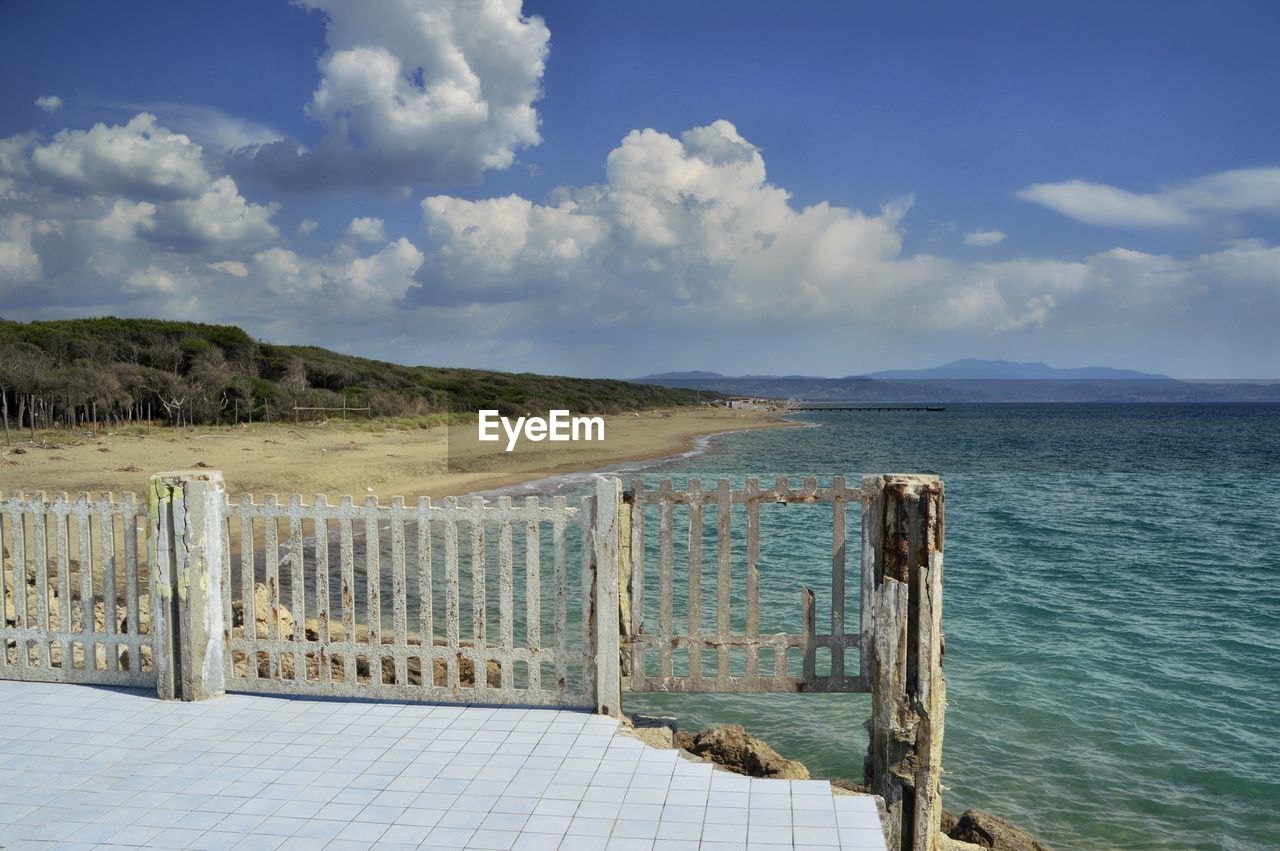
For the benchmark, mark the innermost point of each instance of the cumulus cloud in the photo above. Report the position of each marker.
(208, 126)
(685, 238)
(49, 103)
(1255, 190)
(19, 262)
(984, 238)
(366, 229)
(140, 159)
(379, 278)
(687, 223)
(235, 268)
(416, 92)
(219, 216)
(688, 229)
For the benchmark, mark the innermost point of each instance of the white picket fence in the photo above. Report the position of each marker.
(73, 586)
(400, 601)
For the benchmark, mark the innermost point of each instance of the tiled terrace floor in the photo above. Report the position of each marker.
(82, 766)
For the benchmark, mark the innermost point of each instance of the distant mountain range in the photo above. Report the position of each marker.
(973, 380)
(973, 368)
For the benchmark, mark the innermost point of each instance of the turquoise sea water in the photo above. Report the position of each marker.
(1112, 612)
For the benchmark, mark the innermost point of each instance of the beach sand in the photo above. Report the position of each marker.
(356, 459)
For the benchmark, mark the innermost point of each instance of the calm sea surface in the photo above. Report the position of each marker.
(1112, 612)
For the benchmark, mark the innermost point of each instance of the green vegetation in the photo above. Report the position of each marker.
(67, 372)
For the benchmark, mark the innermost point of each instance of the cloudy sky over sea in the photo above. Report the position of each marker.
(624, 188)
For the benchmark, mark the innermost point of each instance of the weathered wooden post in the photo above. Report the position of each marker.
(902, 526)
(608, 675)
(625, 563)
(185, 512)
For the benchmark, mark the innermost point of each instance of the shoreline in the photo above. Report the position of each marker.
(364, 459)
(695, 445)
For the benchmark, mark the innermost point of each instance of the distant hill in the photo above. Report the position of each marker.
(117, 369)
(973, 368)
(694, 374)
(976, 381)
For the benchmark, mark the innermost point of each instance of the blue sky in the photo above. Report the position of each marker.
(610, 188)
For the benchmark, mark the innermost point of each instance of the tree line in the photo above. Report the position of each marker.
(110, 372)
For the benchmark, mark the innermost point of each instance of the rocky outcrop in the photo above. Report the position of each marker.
(988, 831)
(54, 606)
(841, 785)
(334, 666)
(733, 748)
(262, 616)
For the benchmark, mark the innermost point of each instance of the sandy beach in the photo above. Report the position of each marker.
(356, 459)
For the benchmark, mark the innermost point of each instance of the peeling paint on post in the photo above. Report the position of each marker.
(186, 512)
(903, 542)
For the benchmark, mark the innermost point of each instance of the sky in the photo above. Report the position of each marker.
(620, 188)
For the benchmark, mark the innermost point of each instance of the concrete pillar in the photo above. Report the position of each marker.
(903, 538)
(605, 608)
(186, 512)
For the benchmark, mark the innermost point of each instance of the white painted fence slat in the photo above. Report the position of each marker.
(48, 549)
(399, 592)
(694, 643)
(744, 637)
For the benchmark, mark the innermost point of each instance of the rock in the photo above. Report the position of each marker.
(654, 730)
(654, 737)
(949, 821)
(988, 831)
(684, 740)
(336, 665)
(841, 786)
(734, 749)
(261, 614)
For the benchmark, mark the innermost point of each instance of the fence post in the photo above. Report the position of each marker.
(608, 676)
(185, 512)
(903, 542)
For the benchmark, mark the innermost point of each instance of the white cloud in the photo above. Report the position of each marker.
(235, 268)
(378, 278)
(283, 273)
(219, 216)
(366, 229)
(306, 227)
(417, 91)
(1228, 192)
(15, 154)
(386, 275)
(140, 159)
(19, 262)
(984, 238)
(156, 278)
(688, 229)
(687, 223)
(49, 103)
(127, 219)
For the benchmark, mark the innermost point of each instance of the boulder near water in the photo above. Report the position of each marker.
(736, 750)
(988, 831)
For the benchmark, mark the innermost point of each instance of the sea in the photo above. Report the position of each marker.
(1112, 611)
